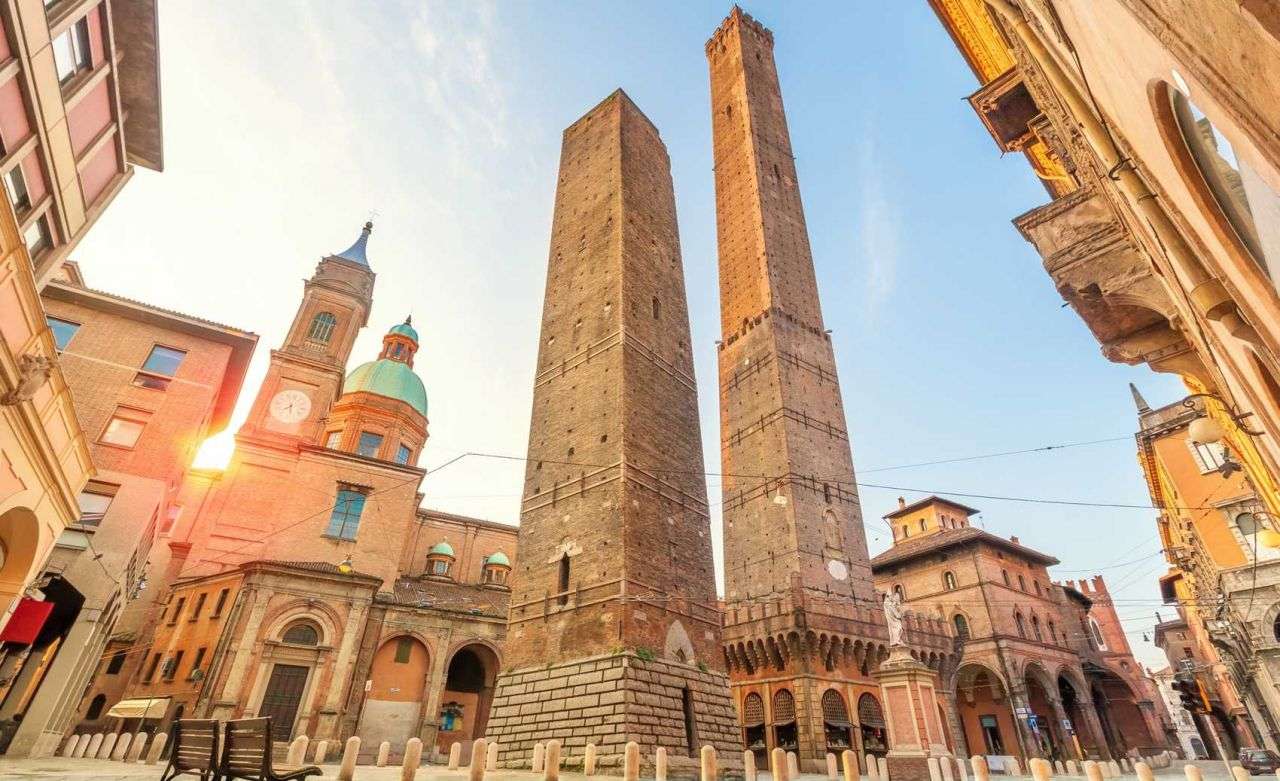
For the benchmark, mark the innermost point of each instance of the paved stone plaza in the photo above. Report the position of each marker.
(56, 769)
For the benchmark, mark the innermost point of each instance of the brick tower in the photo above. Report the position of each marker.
(803, 619)
(614, 632)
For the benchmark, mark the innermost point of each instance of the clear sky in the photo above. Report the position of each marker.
(287, 124)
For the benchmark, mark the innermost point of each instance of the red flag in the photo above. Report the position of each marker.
(25, 623)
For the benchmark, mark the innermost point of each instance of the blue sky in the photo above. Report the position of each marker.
(287, 124)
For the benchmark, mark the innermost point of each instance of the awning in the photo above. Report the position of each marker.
(145, 708)
(26, 622)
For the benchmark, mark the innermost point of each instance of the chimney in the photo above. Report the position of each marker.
(1014, 539)
(902, 503)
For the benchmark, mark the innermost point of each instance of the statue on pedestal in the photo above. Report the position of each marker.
(893, 617)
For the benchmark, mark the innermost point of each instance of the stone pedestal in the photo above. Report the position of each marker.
(909, 691)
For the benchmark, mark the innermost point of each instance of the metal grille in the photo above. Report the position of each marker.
(784, 707)
(833, 708)
(869, 712)
(753, 710)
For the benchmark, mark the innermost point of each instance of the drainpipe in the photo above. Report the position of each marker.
(1208, 295)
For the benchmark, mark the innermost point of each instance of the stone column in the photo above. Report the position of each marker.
(959, 740)
(1094, 725)
(1026, 736)
(435, 690)
(1060, 714)
(908, 690)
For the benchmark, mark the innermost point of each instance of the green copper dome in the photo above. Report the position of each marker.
(405, 329)
(498, 557)
(389, 378)
(443, 548)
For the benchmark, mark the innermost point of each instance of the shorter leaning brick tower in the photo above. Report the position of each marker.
(614, 631)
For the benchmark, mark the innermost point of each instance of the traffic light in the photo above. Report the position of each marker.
(1191, 693)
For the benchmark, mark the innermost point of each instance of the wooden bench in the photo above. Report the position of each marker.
(246, 753)
(194, 750)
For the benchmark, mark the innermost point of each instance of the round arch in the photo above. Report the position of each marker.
(471, 670)
(19, 546)
(399, 684)
(982, 705)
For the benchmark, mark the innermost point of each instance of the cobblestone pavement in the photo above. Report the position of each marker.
(57, 769)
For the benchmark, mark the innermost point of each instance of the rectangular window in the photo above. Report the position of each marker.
(116, 663)
(333, 439)
(991, 734)
(195, 612)
(195, 665)
(15, 184)
(36, 236)
(220, 604)
(402, 455)
(125, 427)
(177, 610)
(1209, 456)
(171, 518)
(62, 330)
(159, 368)
(71, 50)
(94, 501)
(151, 669)
(370, 444)
(172, 665)
(345, 519)
(404, 648)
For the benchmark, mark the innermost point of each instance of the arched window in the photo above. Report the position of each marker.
(901, 594)
(321, 329)
(562, 580)
(834, 710)
(962, 626)
(1097, 634)
(1247, 523)
(1005, 574)
(95, 707)
(1022, 626)
(657, 308)
(949, 581)
(1053, 633)
(784, 707)
(905, 531)
(1275, 629)
(753, 710)
(301, 633)
(1022, 583)
(1035, 628)
(1036, 583)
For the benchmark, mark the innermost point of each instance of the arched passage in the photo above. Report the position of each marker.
(983, 705)
(1122, 723)
(398, 679)
(468, 694)
(1072, 704)
(19, 543)
(1044, 725)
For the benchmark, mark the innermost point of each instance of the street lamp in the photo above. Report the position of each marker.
(1204, 429)
(345, 567)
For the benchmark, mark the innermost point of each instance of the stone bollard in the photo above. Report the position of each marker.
(748, 765)
(589, 760)
(157, 747)
(660, 764)
(122, 747)
(793, 765)
(631, 762)
(980, 770)
(322, 751)
(1144, 771)
(491, 757)
(1124, 765)
(709, 765)
(297, 751)
(850, 762)
(139, 746)
(947, 773)
(1040, 769)
(95, 743)
(1239, 773)
(1114, 767)
(1072, 768)
(1058, 767)
(963, 767)
(455, 755)
(69, 747)
(479, 754)
(778, 764)
(82, 745)
(347, 771)
(1191, 772)
(833, 769)
(551, 772)
(539, 757)
(872, 772)
(412, 756)
(883, 766)
(384, 753)
(1092, 770)
(1012, 767)
(108, 743)
(935, 771)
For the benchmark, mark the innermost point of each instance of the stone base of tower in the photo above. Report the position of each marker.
(610, 700)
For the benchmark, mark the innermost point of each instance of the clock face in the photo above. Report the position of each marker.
(290, 406)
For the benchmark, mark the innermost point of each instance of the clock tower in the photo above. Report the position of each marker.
(306, 372)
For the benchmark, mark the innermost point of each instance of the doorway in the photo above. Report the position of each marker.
(282, 698)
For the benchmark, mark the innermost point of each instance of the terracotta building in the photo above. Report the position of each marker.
(1044, 669)
(1163, 169)
(804, 627)
(149, 386)
(614, 630)
(303, 581)
(74, 117)
(1222, 574)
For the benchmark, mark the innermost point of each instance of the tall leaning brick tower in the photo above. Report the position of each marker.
(614, 631)
(804, 627)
